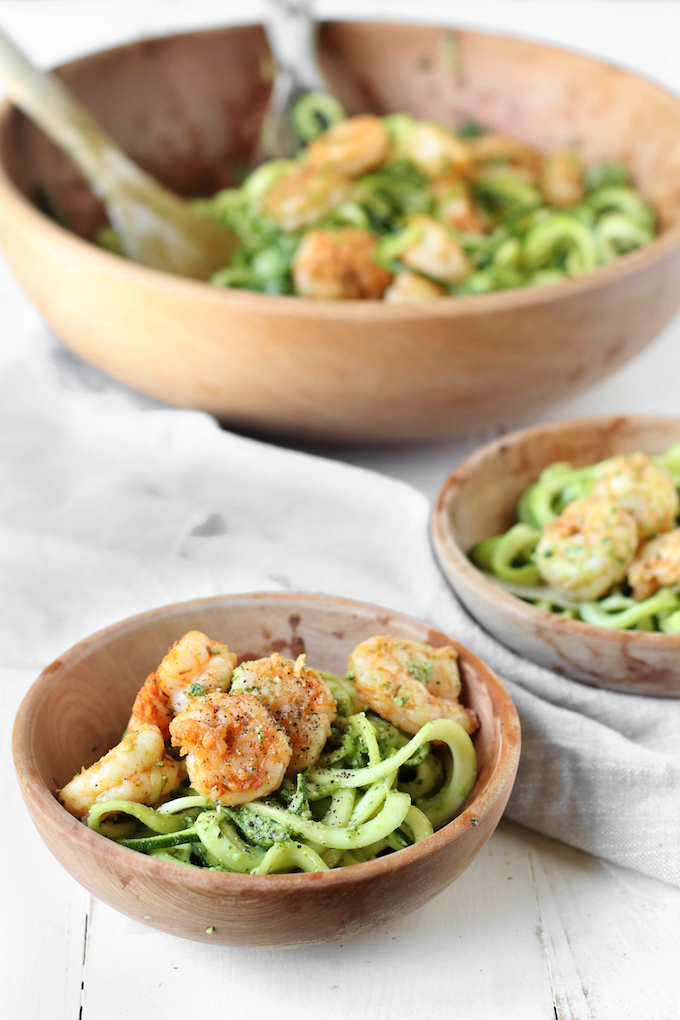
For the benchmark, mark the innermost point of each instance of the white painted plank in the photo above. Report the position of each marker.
(44, 911)
(612, 937)
(570, 998)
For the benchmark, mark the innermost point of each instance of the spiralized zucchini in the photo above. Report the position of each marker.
(500, 205)
(536, 558)
(409, 210)
(374, 790)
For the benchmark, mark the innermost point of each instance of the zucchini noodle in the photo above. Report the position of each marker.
(628, 616)
(314, 113)
(402, 209)
(374, 790)
(518, 542)
(644, 593)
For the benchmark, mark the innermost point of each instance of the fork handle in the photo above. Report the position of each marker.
(291, 32)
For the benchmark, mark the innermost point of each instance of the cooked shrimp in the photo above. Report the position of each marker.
(407, 288)
(588, 548)
(435, 150)
(490, 148)
(235, 751)
(297, 697)
(436, 252)
(332, 264)
(136, 769)
(643, 488)
(194, 665)
(458, 210)
(352, 147)
(409, 683)
(562, 179)
(305, 194)
(152, 707)
(657, 565)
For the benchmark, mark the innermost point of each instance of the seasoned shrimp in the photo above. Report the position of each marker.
(435, 150)
(436, 252)
(562, 179)
(136, 769)
(352, 147)
(152, 707)
(588, 548)
(657, 565)
(235, 751)
(194, 665)
(333, 264)
(409, 683)
(457, 208)
(489, 148)
(297, 697)
(305, 194)
(643, 488)
(407, 288)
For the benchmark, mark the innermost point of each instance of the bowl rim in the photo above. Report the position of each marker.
(35, 790)
(350, 310)
(454, 561)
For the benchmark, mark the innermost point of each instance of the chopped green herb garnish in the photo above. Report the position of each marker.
(196, 690)
(421, 671)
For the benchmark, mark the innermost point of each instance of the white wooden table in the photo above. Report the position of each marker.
(533, 930)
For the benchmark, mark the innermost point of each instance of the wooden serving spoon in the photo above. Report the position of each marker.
(156, 227)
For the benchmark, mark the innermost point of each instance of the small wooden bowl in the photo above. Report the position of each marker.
(479, 499)
(79, 706)
(188, 109)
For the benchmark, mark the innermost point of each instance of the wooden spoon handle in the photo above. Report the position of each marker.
(156, 227)
(47, 101)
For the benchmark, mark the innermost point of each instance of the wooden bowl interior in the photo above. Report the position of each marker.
(188, 107)
(86, 700)
(482, 500)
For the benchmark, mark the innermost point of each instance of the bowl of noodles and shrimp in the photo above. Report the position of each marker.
(563, 542)
(474, 227)
(266, 769)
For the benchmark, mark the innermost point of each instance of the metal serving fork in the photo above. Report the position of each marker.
(291, 32)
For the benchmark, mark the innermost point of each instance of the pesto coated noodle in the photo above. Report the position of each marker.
(599, 543)
(408, 210)
(272, 766)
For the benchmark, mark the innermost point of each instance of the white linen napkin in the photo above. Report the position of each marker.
(111, 505)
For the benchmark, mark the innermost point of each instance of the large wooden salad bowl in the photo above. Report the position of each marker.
(188, 109)
(479, 499)
(80, 705)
